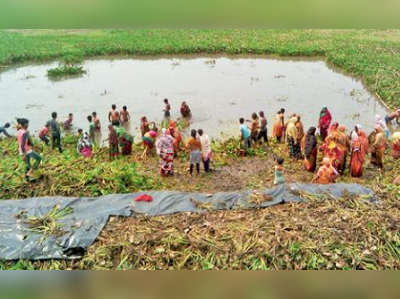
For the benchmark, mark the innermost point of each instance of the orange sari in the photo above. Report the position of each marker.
(356, 160)
(326, 175)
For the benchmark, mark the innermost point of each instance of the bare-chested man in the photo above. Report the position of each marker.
(393, 115)
(126, 119)
(114, 116)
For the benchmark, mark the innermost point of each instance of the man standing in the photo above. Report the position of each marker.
(245, 135)
(55, 132)
(24, 148)
(126, 119)
(114, 116)
(167, 110)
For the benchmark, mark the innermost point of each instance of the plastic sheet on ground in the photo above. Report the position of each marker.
(90, 215)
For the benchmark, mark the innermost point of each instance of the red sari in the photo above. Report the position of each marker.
(325, 120)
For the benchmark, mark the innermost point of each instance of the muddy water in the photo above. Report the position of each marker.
(219, 91)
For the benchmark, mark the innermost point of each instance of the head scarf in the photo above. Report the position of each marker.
(291, 130)
(342, 129)
(327, 162)
(378, 129)
(311, 141)
(324, 111)
(396, 137)
(379, 121)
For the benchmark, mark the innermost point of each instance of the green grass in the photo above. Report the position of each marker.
(371, 55)
(65, 71)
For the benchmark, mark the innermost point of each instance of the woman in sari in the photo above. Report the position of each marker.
(149, 140)
(364, 143)
(332, 151)
(84, 146)
(279, 125)
(356, 160)
(125, 141)
(310, 150)
(325, 119)
(113, 142)
(176, 135)
(327, 174)
(292, 139)
(396, 145)
(378, 147)
(165, 149)
(300, 130)
(343, 143)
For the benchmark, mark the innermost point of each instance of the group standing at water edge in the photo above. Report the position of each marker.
(333, 142)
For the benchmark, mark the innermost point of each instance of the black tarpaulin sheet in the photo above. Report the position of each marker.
(90, 215)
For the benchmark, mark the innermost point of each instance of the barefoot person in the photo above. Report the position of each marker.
(205, 150)
(254, 124)
(126, 119)
(25, 148)
(114, 116)
(279, 172)
(194, 145)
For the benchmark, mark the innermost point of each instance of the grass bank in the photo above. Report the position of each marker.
(372, 55)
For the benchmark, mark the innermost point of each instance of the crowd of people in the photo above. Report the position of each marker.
(333, 143)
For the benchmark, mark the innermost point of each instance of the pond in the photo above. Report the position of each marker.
(219, 91)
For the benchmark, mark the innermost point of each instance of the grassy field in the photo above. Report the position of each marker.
(372, 55)
(319, 234)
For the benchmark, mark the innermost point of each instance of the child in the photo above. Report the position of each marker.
(263, 133)
(195, 151)
(279, 172)
(44, 134)
(25, 149)
(68, 122)
(245, 135)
